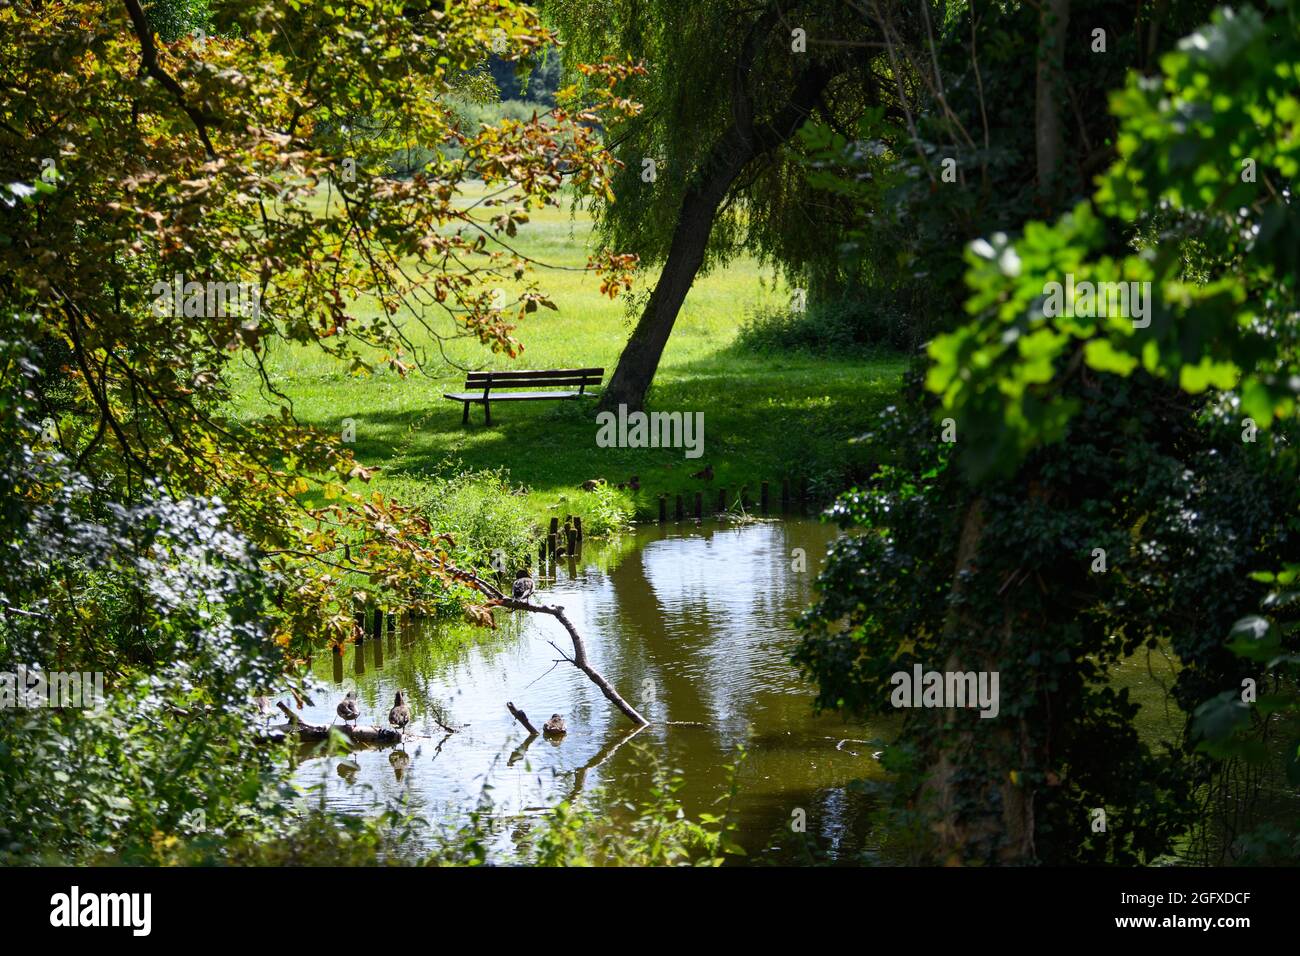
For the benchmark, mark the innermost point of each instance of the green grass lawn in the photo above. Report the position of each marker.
(765, 417)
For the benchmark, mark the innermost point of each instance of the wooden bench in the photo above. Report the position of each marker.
(490, 382)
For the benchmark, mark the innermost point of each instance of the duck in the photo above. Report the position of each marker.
(554, 727)
(348, 710)
(524, 585)
(400, 715)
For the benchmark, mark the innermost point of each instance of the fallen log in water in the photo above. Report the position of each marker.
(359, 735)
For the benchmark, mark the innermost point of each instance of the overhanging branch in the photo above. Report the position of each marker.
(149, 58)
(579, 659)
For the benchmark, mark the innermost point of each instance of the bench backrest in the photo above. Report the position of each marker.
(544, 378)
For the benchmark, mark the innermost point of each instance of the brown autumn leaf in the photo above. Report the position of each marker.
(480, 615)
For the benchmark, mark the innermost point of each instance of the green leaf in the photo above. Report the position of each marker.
(1104, 357)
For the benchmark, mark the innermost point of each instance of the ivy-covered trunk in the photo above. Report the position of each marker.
(977, 787)
(985, 809)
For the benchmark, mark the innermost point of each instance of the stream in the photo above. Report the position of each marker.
(692, 624)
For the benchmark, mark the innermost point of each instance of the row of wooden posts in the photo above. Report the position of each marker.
(570, 536)
(764, 502)
(376, 620)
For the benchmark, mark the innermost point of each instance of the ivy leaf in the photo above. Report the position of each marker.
(1216, 720)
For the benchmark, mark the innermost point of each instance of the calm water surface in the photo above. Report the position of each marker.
(692, 624)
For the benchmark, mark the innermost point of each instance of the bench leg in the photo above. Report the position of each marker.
(464, 419)
(487, 412)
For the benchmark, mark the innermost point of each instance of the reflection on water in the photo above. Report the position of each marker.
(691, 624)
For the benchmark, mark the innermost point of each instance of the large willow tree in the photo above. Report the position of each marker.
(707, 172)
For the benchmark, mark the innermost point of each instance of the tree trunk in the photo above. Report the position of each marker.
(640, 359)
(742, 142)
(967, 772)
(1048, 134)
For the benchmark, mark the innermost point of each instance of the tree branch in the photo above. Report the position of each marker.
(579, 659)
(149, 58)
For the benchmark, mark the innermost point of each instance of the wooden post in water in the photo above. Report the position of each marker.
(577, 526)
(551, 546)
(377, 624)
(699, 505)
(722, 501)
(663, 509)
(555, 525)
(677, 511)
(763, 496)
(359, 619)
(392, 622)
(572, 540)
(785, 495)
(744, 497)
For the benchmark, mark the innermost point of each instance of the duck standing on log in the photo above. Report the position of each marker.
(523, 585)
(400, 715)
(347, 709)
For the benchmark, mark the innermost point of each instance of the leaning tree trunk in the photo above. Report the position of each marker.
(640, 358)
(742, 142)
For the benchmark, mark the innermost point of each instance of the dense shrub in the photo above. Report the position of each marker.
(608, 512)
(483, 512)
(854, 325)
(471, 116)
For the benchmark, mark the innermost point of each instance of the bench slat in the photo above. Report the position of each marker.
(504, 378)
(477, 397)
(534, 383)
